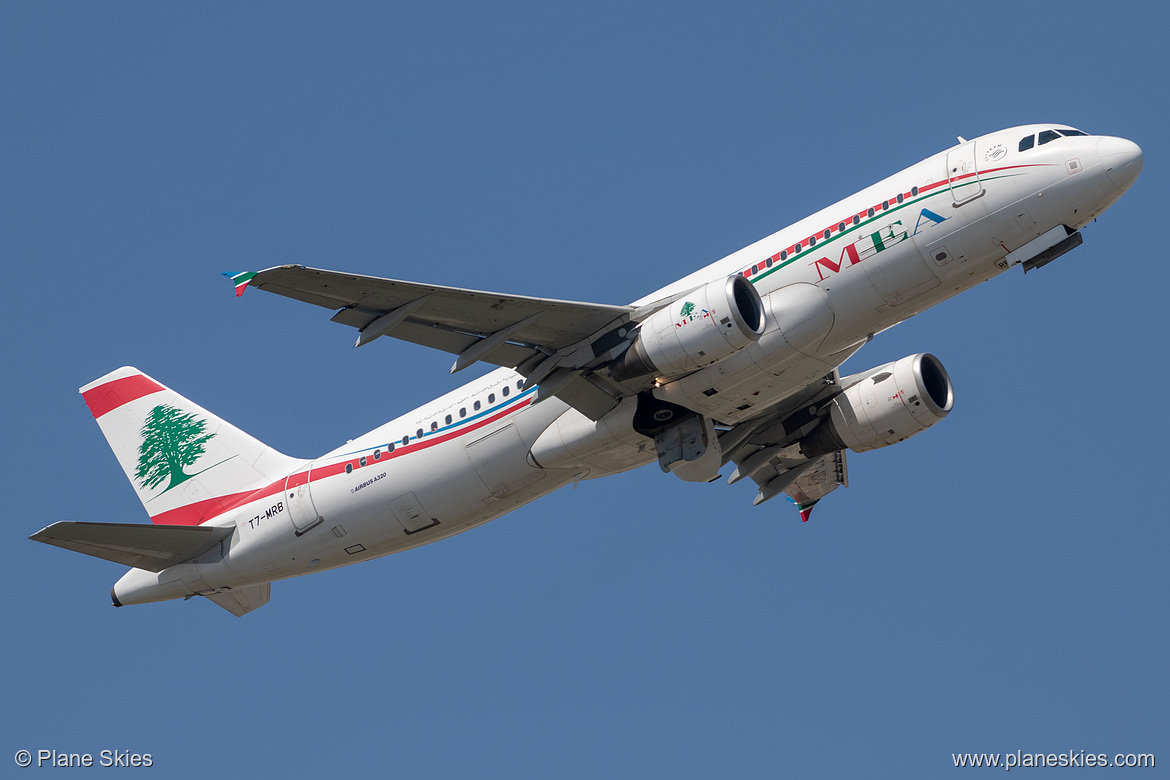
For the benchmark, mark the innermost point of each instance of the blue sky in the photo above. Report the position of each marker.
(997, 584)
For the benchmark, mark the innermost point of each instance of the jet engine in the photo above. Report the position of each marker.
(884, 406)
(697, 329)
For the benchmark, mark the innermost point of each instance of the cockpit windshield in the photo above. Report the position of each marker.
(1046, 136)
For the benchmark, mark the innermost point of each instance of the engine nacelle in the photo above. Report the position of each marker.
(890, 404)
(697, 329)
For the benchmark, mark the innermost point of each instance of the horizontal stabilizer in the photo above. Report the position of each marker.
(241, 601)
(150, 547)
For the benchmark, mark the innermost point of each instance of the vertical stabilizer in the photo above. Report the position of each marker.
(186, 464)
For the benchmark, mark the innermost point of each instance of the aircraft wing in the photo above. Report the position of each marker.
(824, 475)
(150, 547)
(548, 341)
(767, 450)
(805, 483)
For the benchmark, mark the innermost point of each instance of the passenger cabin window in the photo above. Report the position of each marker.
(1027, 142)
(434, 426)
(418, 434)
(447, 420)
(476, 406)
(506, 390)
(491, 398)
(406, 440)
(1048, 135)
(463, 411)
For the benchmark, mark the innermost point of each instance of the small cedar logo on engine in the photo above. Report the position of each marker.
(690, 313)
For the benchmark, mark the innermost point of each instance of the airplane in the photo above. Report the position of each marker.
(736, 363)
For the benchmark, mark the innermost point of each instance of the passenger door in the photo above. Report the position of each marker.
(299, 500)
(963, 174)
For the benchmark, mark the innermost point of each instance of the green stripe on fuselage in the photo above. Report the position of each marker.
(861, 225)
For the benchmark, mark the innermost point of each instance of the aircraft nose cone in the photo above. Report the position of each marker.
(1121, 159)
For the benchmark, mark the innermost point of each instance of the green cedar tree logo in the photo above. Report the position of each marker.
(687, 310)
(171, 441)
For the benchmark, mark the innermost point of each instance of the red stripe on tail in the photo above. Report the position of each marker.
(108, 397)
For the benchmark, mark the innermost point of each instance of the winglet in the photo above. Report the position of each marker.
(240, 279)
(804, 509)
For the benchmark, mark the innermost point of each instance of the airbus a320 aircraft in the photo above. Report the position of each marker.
(735, 364)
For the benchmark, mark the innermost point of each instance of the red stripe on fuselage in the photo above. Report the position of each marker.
(108, 397)
(202, 511)
(799, 246)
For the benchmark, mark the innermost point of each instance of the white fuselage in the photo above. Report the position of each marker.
(852, 270)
